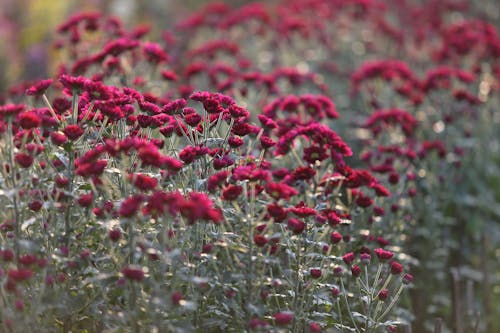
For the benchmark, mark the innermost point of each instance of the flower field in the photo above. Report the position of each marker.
(283, 166)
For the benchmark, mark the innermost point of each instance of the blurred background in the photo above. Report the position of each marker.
(27, 28)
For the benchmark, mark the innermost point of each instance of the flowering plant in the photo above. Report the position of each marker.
(180, 187)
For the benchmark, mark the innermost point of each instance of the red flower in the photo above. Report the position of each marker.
(21, 274)
(176, 297)
(35, 205)
(231, 192)
(296, 226)
(260, 240)
(303, 173)
(314, 328)
(383, 254)
(7, 255)
(130, 205)
(280, 191)
(29, 119)
(348, 258)
(115, 234)
(315, 273)
(143, 182)
(383, 294)
(365, 258)
(24, 160)
(58, 138)
(11, 110)
(28, 259)
(192, 119)
(154, 52)
(396, 268)
(314, 153)
(335, 237)
(216, 180)
(407, 278)
(133, 272)
(277, 212)
(302, 210)
(85, 200)
(283, 318)
(73, 132)
(267, 142)
(355, 270)
(39, 88)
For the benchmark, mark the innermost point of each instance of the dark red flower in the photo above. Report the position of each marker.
(143, 182)
(73, 132)
(314, 153)
(176, 297)
(19, 275)
(335, 237)
(24, 160)
(348, 258)
(296, 226)
(303, 173)
(35, 205)
(130, 205)
(231, 192)
(280, 191)
(355, 270)
(277, 212)
(133, 272)
(260, 240)
(396, 268)
(58, 138)
(283, 318)
(85, 200)
(29, 119)
(115, 234)
(315, 273)
(383, 294)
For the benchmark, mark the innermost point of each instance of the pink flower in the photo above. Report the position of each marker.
(39, 88)
(283, 318)
(314, 328)
(348, 258)
(383, 255)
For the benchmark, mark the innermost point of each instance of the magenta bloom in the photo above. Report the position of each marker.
(39, 88)
(283, 318)
(383, 254)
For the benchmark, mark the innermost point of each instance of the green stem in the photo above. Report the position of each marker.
(347, 304)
